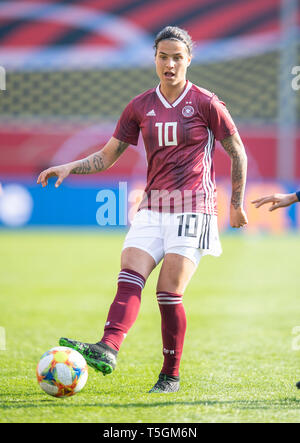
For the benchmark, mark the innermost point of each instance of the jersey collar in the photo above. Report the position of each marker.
(178, 100)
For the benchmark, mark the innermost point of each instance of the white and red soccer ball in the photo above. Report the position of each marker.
(62, 372)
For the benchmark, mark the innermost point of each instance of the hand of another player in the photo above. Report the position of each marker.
(238, 217)
(56, 171)
(277, 200)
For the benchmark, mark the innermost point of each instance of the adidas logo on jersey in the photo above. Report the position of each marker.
(151, 113)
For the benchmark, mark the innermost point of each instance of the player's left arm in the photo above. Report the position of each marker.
(234, 147)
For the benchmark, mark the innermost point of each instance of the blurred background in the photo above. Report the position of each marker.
(68, 69)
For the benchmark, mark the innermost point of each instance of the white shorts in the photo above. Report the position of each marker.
(192, 235)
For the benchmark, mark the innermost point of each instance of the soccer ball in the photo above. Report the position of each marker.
(62, 372)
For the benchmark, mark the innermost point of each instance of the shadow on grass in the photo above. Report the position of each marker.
(287, 403)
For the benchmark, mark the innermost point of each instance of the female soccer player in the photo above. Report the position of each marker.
(177, 218)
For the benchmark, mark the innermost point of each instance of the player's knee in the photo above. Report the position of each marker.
(138, 261)
(171, 283)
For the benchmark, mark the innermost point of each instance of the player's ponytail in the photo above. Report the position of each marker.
(174, 33)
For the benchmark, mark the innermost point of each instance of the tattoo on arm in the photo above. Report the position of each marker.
(238, 169)
(95, 162)
(121, 148)
(98, 162)
(85, 167)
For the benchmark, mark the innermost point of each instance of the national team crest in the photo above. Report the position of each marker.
(188, 111)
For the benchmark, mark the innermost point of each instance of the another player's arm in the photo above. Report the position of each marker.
(97, 162)
(277, 200)
(234, 147)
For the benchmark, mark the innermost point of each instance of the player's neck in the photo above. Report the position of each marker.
(172, 92)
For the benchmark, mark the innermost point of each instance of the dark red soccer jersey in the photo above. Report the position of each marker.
(179, 140)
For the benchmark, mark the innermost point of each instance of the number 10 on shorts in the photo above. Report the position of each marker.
(188, 225)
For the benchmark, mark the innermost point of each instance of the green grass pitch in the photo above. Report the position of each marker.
(238, 363)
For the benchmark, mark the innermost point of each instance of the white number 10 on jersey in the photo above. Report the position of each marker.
(163, 133)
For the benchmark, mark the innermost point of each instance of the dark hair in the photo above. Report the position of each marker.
(174, 33)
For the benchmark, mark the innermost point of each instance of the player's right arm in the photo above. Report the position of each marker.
(97, 162)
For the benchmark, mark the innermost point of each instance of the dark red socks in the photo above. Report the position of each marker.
(124, 309)
(173, 327)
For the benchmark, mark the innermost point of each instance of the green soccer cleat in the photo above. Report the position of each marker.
(99, 356)
(165, 385)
